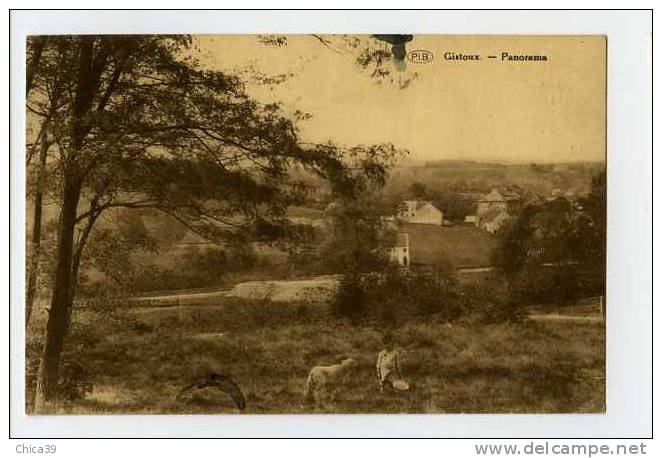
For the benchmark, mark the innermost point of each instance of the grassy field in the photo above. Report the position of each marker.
(462, 245)
(138, 360)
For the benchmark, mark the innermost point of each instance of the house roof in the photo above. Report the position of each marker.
(494, 214)
(416, 204)
(507, 194)
(533, 198)
(419, 204)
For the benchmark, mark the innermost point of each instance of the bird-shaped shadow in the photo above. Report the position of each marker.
(222, 381)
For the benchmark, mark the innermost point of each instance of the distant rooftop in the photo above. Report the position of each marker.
(416, 204)
(503, 194)
(492, 214)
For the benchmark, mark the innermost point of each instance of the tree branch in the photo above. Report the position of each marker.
(39, 43)
(100, 208)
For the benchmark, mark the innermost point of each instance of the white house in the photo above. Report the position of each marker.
(400, 252)
(471, 219)
(421, 212)
(493, 220)
(508, 199)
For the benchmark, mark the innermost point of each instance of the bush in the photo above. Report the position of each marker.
(396, 295)
(75, 378)
(193, 268)
(350, 299)
(74, 382)
(546, 285)
(491, 301)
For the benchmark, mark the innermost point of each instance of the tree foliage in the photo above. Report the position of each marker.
(371, 55)
(137, 122)
(357, 238)
(454, 205)
(555, 251)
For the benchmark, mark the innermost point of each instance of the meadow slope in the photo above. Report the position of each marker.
(137, 361)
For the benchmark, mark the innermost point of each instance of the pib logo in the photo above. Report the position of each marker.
(419, 56)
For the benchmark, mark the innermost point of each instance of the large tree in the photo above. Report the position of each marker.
(357, 237)
(555, 251)
(541, 234)
(140, 124)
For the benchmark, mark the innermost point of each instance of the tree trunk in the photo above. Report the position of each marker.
(61, 301)
(87, 84)
(36, 228)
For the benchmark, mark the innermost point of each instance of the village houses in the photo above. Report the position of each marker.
(420, 212)
(496, 207)
(507, 199)
(413, 212)
(493, 209)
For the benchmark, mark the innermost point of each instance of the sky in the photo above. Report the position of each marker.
(486, 110)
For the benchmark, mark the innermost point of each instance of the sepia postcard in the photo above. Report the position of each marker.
(315, 224)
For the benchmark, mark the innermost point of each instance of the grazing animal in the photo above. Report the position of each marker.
(323, 380)
(221, 381)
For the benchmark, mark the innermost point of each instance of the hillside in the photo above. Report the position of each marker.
(481, 176)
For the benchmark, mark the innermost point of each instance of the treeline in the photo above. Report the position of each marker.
(551, 253)
(449, 199)
(555, 252)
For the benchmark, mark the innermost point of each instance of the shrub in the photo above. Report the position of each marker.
(193, 268)
(490, 301)
(546, 285)
(350, 299)
(397, 295)
(75, 378)
(74, 382)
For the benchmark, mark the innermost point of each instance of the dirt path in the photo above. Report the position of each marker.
(182, 296)
(275, 290)
(474, 270)
(314, 289)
